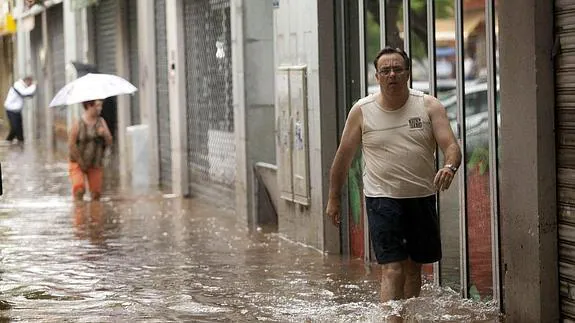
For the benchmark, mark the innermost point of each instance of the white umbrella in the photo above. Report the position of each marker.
(92, 87)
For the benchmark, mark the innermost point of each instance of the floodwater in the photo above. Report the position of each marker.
(154, 258)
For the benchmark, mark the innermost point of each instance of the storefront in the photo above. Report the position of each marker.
(210, 115)
(453, 47)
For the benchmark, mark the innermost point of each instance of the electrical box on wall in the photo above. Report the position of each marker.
(283, 134)
(292, 130)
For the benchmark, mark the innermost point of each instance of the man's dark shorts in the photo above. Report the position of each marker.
(402, 228)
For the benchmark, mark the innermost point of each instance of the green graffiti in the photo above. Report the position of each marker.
(355, 188)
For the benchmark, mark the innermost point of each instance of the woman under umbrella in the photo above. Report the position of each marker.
(90, 135)
(87, 142)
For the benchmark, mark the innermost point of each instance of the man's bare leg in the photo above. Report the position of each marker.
(412, 286)
(392, 281)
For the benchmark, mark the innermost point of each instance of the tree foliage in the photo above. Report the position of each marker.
(394, 13)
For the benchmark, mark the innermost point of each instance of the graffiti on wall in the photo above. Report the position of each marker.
(356, 221)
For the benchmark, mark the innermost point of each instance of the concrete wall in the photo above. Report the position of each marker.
(6, 73)
(253, 65)
(124, 110)
(147, 83)
(329, 97)
(78, 47)
(528, 177)
(177, 86)
(23, 65)
(297, 30)
(72, 41)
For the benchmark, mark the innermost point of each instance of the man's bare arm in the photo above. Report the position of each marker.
(442, 131)
(350, 141)
(445, 140)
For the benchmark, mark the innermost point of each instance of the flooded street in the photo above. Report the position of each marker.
(153, 258)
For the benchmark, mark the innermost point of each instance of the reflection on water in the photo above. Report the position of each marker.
(155, 259)
(89, 221)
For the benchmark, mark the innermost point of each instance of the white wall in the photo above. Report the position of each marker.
(253, 69)
(123, 70)
(296, 43)
(177, 87)
(24, 67)
(72, 40)
(147, 82)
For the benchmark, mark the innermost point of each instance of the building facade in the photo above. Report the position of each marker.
(229, 89)
(7, 51)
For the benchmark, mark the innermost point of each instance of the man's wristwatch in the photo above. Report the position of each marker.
(451, 167)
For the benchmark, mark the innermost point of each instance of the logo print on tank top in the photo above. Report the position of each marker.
(415, 123)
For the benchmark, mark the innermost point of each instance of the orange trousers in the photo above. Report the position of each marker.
(77, 176)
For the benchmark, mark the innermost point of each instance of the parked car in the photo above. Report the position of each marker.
(476, 115)
(445, 87)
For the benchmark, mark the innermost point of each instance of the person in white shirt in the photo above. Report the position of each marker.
(23, 88)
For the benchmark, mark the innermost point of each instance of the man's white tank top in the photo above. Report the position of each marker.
(398, 149)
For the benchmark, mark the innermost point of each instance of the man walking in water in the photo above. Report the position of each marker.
(398, 129)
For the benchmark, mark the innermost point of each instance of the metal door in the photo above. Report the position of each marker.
(565, 101)
(211, 145)
(163, 104)
(105, 35)
(57, 66)
(132, 18)
(105, 22)
(37, 48)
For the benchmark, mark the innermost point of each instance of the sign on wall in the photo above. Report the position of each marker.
(7, 24)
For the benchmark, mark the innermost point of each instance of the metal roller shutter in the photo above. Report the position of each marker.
(211, 147)
(565, 112)
(132, 16)
(56, 39)
(57, 61)
(36, 47)
(104, 29)
(163, 104)
(105, 35)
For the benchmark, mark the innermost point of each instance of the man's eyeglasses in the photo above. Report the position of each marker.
(397, 70)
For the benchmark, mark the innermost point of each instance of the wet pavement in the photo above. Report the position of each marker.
(153, 258)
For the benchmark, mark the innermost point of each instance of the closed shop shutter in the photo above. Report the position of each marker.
(57, 61)
(105, 35)
(132, 16)
(210, 118)
(163, 105)
(36, 48)
(56, 39)
(565, 108)
(104, 24)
